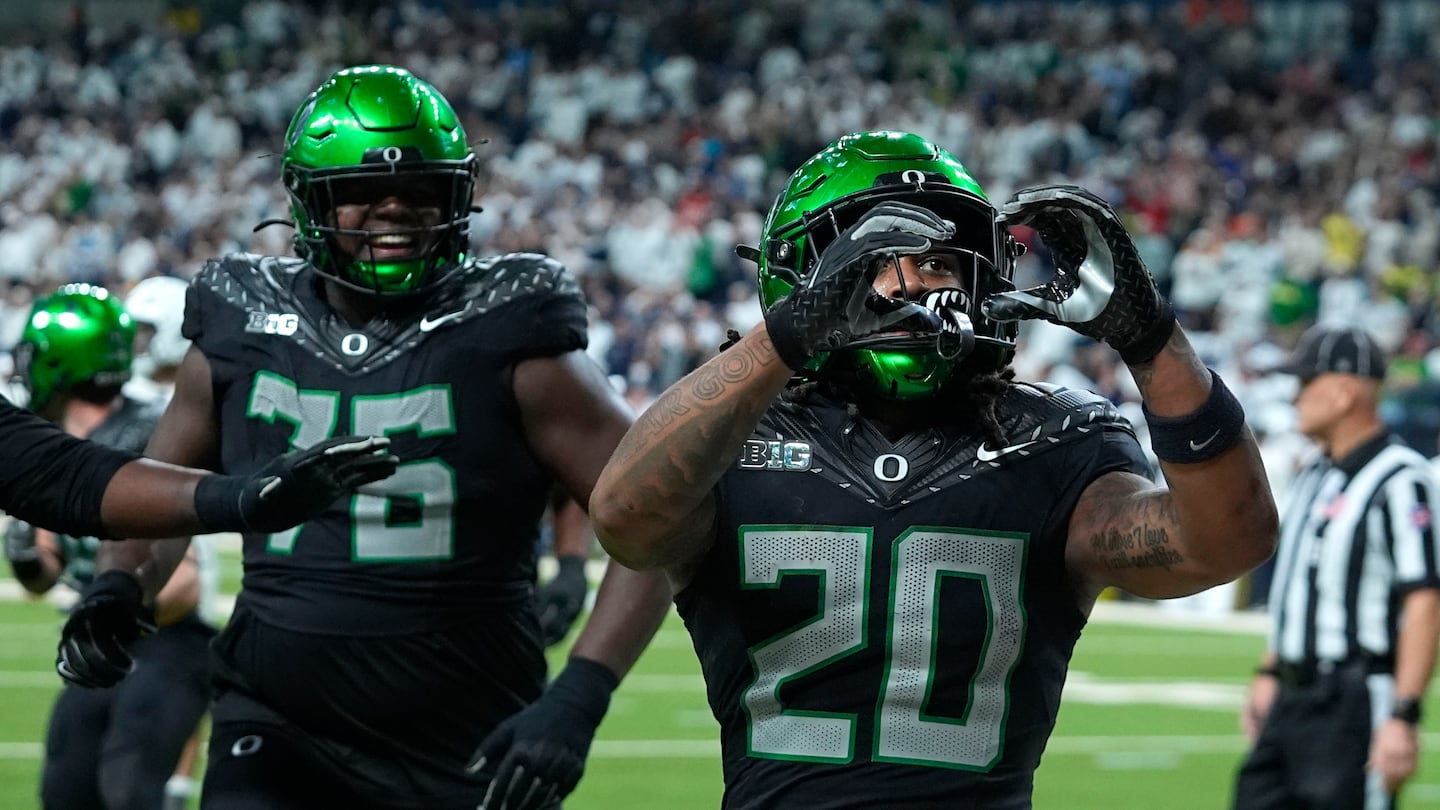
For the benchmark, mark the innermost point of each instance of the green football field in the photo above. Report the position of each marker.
(1149, 721)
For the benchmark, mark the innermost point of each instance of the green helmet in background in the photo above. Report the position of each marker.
(367, 132)
(79, 341)
(831, 190)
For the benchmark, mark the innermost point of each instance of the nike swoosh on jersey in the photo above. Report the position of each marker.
(984, 453)
(426, 324)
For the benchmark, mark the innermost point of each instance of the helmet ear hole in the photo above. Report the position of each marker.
(781, 252)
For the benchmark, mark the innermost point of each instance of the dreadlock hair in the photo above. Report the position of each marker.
(981, 393)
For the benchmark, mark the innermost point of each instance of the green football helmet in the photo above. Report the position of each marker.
(78, 341)
(369, 132)
(830, 191)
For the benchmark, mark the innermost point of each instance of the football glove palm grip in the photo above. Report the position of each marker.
(539, 753)
(1101, 288)
(292, 488)
(834, 303)
(103, 626)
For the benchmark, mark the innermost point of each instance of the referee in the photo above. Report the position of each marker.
(1334, 708)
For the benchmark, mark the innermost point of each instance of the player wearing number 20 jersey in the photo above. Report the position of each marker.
(899, 644)
(884, 546)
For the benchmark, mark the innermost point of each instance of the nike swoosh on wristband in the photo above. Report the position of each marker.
(1197, 446)
(426, 324)
(984, 453)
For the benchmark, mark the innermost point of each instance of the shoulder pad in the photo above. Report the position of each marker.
(496, 280)
(1042, 415)
(539, 300)
(248, 280)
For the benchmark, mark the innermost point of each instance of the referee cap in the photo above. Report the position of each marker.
(1331, 350)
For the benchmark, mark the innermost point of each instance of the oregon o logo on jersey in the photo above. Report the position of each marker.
(891, 467)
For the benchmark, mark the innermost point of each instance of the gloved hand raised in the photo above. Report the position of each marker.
(292, 488)
(95, 643)
(834, 303)
(1101, 288)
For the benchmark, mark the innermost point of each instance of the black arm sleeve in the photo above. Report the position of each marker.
(52, 479)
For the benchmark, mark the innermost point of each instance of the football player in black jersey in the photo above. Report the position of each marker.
(113, 748)
(885, 547)
(375, 648)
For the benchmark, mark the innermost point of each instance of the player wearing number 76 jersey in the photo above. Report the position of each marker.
(885, 548)
(388, 654)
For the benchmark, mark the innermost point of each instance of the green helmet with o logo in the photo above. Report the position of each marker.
(831, 190)
(368, 129)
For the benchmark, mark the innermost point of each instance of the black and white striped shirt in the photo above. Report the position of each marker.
(1356, 535)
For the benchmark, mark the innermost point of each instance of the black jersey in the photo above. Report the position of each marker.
(887, 624)
(397, 628)
(51, 478)
(455, 528)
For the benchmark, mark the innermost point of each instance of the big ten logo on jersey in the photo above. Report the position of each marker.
(271, 323)
(758, 454)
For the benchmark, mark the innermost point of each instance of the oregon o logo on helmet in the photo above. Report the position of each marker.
(891, 467)
(391, 154)
(913, 176)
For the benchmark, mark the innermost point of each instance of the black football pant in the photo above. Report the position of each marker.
(296, 720)
(1312, 750)
(114, 749)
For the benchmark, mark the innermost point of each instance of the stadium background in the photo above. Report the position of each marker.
(1277, 162)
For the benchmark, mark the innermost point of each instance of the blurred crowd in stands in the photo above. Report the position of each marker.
(1277, 160)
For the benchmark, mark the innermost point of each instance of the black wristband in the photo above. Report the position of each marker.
(1202, 434)
(219, 503)
(118, 583)
(570, 564)
(1149, 343)
(1407, 710)
(586, 686)
(27, 570)
(1270, 672)
(785, 339)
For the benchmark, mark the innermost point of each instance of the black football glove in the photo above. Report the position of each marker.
(1101, 288)
(558, 602)
(538, 754)
(95, 642)
(292, 488)
(834, 303)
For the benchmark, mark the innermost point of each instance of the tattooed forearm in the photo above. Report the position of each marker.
(714, 378)
(679, 447)
(1179, 348)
